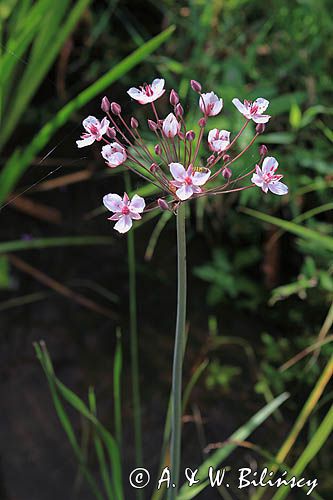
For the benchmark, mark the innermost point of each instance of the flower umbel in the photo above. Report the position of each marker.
(182, 163)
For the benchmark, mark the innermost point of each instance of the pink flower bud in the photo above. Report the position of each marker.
(226, 172)
(202, 122)
(196, 86)
(260, 128)
(179, 110)
(111, 132)
(181, 135)
(115, 108)
(263, 150)
(152, 125)
(210, 159)
(226, 158)
(153, 168)
(158, 149)
(171, 126)
(163, 204)
(174, 98)
(134, 122)
(105, 104)
(190, 135)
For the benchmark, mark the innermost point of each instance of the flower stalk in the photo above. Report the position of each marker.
(176, 395)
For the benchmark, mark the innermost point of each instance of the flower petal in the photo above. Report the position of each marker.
(278, 188)
(135, 93)
(236, 102)
(158, 85)
(262, 104)
(177, 171)
(200, 178)
(90, 120)
(104, 126)
(184, 192)
(137, 204)
(113, 202)
(257, 180)
(257, 118)
(85, 142)
(124, 224)
(270, 165)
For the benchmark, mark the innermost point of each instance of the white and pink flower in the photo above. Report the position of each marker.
(267, 179)
(218, 140)
(170, 126)
(253, 110)
(148, 93)
(114, 154)
(188, 181)
(124, 210)
(210, 104)
(94, 131)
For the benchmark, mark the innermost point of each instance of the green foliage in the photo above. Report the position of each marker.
(227, 279)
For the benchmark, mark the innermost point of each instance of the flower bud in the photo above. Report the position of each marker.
(202, 122)
(179, 110)
(210, 159)
(134, 122)
(171, 126)
(181, 135)
(174, 98)
(226, 158)
(111, 132)
(163, 204)
(152, 125)
(260, 128)
(105, 105)
(226, 172)
(196, 86)
(190, 135)
(153, 168)
(115, 108)
(263, 150)
(158, 149)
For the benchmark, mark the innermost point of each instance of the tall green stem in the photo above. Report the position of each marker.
(134, 343)
(176, 396)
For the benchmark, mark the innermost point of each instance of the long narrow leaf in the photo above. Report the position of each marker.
(186, 492)
(291, 227)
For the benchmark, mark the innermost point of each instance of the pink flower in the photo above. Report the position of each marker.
(210, 104)
(267, 179)
(170, 126)
(114, 154)
(188, 181)
(218, 140)
(94, 131)
(148, 93)
(253, 110)
(124, 210)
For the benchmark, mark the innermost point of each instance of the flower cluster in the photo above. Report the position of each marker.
(177, 165)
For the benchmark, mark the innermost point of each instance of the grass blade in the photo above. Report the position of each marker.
(291, 227)
(72, 241)
(186, 492)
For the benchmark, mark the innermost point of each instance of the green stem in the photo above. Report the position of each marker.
(134, 344)
(176, 395)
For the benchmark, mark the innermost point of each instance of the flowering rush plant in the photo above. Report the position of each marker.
(175, 165)
(184, 164)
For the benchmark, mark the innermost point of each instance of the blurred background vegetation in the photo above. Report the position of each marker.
(261, 288)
